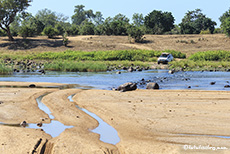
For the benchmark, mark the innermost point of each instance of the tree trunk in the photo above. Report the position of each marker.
(9, 34)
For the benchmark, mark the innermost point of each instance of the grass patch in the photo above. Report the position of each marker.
(211, 56)
(4, 70)
(117, 55)
(89, 66)
(190, 65)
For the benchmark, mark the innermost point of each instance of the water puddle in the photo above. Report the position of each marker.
(218, 136)
(107, 133)
(54, 128)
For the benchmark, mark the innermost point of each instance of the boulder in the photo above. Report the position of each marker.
(32, 86)
(227, 86)
(23, 124)
(127, 87)
(130, 69)
(152, 85)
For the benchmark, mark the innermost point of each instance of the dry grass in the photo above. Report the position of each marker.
(185, 43)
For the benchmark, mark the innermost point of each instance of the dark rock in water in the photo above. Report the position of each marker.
(171, 71)
(127, 87)
(212, 83)
(227, 86)
(118, 72)
(32, 86)
(189, 87)
(140, 69)
(131, 69)
(152, 85)
(42, 71)
(142, 79)
(23, 124)
(39, 124)
(146, 68)
(124, 68)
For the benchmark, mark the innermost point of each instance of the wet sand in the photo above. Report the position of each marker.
(147, 121)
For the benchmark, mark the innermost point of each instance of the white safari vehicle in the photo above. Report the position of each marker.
(165, 58)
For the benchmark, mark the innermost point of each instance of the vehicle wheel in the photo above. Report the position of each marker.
(158, 62)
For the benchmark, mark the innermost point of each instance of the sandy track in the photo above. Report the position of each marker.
(147, 121)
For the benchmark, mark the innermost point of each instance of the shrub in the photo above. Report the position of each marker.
(50, 31)
(136, 33)
(207, 31)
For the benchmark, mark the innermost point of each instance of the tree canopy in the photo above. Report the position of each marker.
(8, 11)
(158, 22)
(225, 22)
(195, 21)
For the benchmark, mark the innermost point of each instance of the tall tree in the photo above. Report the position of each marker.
(138, 19)
(8, 11)
(225, 22)
(81, 15)
(98, 18)
(158, 22)
(195, 21)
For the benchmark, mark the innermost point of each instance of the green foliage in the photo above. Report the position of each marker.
(138, 19)
(211, 56)
(60, 29)
(86, 28)
(33, 23)
(158, 22)
(226, 26)
(81, 15)
(8, 11)
(73, 66)
(65, 39)
(50, 31)
(218, 31)
(195, 21)
(130, 55)
(2, 33)
(189, 65)
(73, 30)
(4, 70)
(26, 31)
(205, 31)
(136, 33)
(50, 18)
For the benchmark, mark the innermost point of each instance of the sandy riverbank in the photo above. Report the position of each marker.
(147, 121)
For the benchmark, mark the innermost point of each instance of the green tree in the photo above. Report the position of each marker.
(136, 33)
(138, 19)
(26, 31)
(34, 23)
(81, 15)
(8, 11)
(119, 25)
(158, 22)
(87, 28)
(225, 22)
(195, 21)
(98, 18)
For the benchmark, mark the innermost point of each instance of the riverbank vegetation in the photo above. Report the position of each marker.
(81, 61)
(207, 61)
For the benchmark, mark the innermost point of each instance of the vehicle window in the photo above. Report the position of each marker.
(164, 55)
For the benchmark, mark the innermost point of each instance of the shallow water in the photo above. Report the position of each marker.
(107, 133)
(218, 136)
(109, 80)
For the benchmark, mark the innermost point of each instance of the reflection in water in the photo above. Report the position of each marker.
(107, 133)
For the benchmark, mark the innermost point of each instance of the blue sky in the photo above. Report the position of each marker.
(212, 9)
